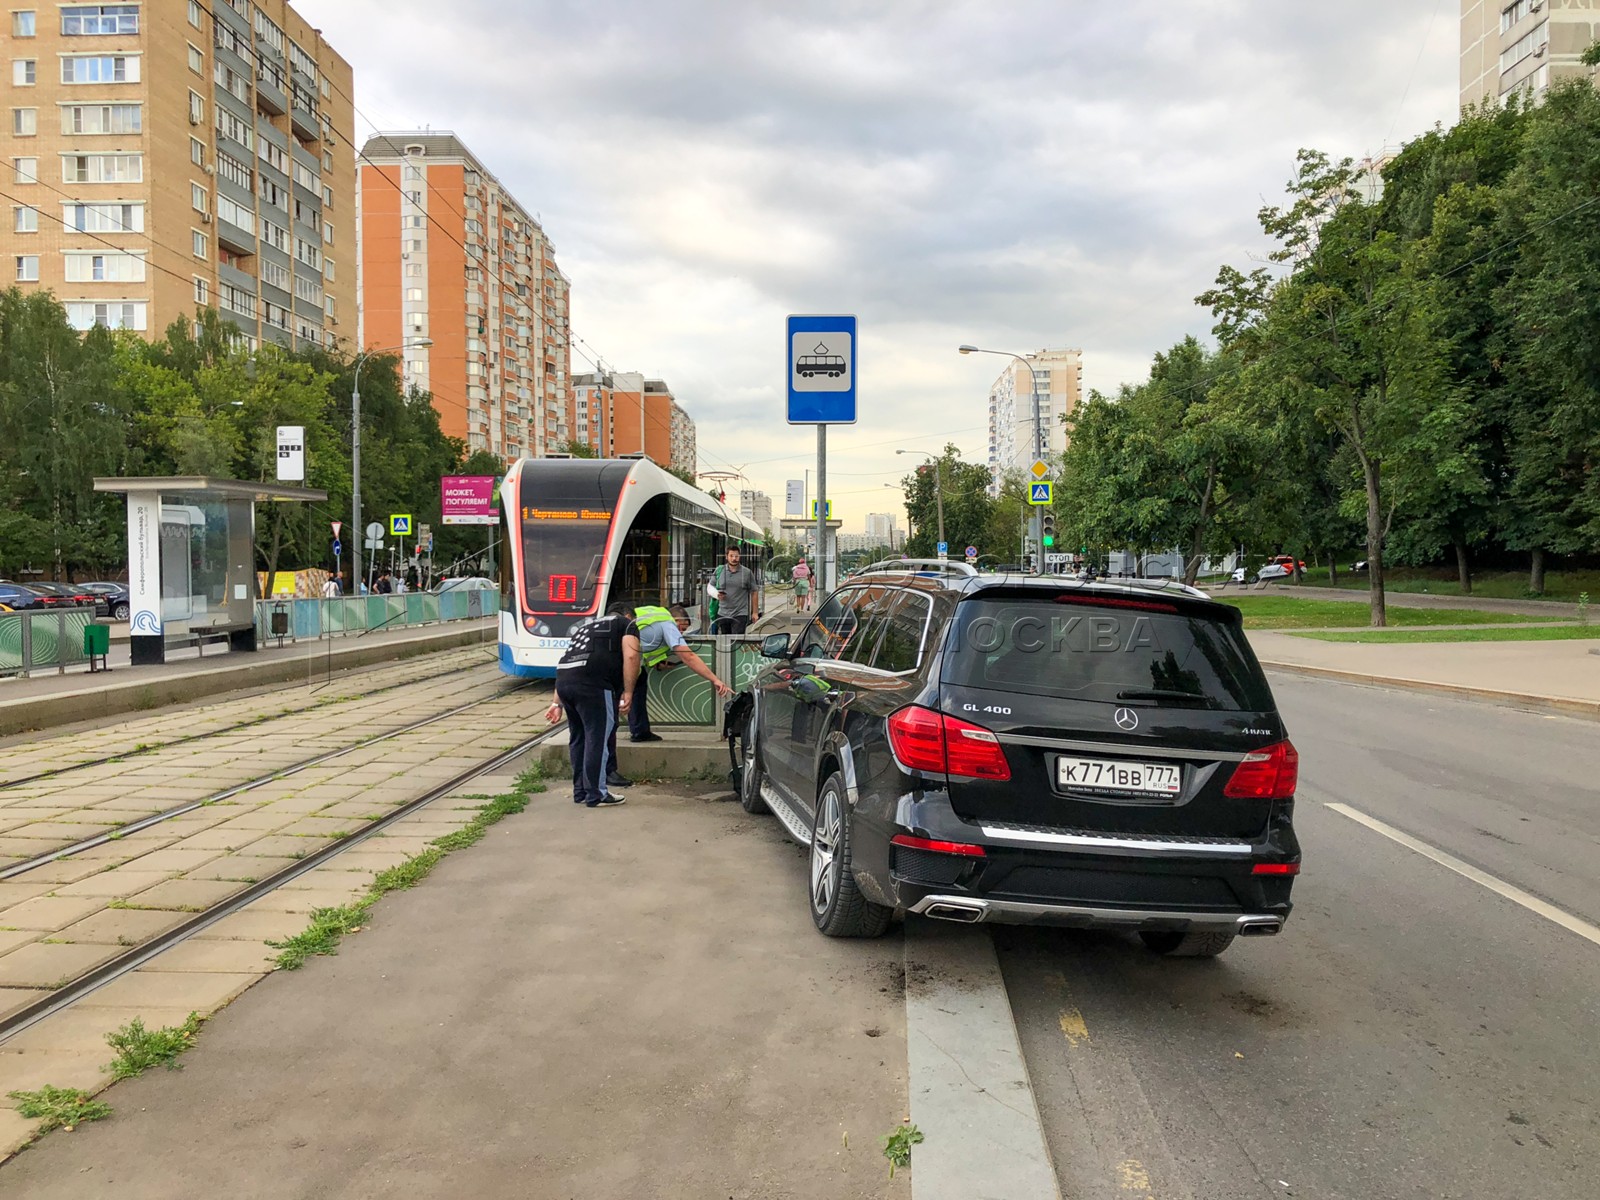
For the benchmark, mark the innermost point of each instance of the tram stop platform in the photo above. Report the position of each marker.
(49, 701)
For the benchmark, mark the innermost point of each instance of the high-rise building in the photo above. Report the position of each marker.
(448, 256)
(1058, 375)
(881, 529)
(622, 412)
(756, 506)
(170, 156)
(1525, 45)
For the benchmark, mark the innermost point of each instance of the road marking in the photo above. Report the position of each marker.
(1132, 1177)
(1498, 886)
(1073, 1026)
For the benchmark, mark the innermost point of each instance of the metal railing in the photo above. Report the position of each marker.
(352, 616)
(36, 641)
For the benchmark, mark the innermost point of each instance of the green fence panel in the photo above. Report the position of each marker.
(11, 641)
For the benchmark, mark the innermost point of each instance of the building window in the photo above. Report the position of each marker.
(327, 269)
(102, 118)
(85, 314)
(197, 60)
(100, 68)
(413, 173)
(275, 236)
(105, 268)
(237, 299)
(26, 220)
(413, 295)
(25, 121)
(102, 218)
(413, 270)
(27, 268)
(236, 172)
(268, 33)
(308, 252)
(194, 13)
(327, 160)
(201, 244)
(86, 20)
(197, 109)
(199, 198)
(327, 196)
(24, 72)
(275, 274)
(202, 291)
(1528, 45)
(327, 235)
(274, 156)
(26, 170)
(24, 24)
(236, 215)
(197, 152)
(230, 126)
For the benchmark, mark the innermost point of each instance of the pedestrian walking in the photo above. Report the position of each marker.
(334, 588)
(661, 633)
(385, 584)
(595, 680)
(738, 596)
(802, 585)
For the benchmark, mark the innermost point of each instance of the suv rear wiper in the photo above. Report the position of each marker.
(1163, 695)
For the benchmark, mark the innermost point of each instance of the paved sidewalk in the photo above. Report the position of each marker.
(1557, 675)
(628, 1004)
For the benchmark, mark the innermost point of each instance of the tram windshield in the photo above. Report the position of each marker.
(566, 510)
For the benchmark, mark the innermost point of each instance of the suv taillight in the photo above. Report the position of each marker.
(924, 740)
(1270, 773)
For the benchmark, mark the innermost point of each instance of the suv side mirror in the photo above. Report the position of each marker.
(775, 645)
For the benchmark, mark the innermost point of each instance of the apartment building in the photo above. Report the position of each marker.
(622, 412)
(459, 279)
(168, 156)
(1525, 45)
(1058, 376)
(882, 530)
(756, 506)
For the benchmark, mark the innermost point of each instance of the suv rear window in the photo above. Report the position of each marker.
(1087, 651)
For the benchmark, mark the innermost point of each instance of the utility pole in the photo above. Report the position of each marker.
(938, 493)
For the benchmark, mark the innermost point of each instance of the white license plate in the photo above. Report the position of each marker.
(1102, 775)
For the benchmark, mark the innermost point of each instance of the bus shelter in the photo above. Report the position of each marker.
(191, 559)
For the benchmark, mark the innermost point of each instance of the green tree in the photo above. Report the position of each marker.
(967, 505)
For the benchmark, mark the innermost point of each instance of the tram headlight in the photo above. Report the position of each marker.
(544, 630)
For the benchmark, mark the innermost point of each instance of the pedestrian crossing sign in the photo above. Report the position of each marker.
(400, 524)
(1040, 493)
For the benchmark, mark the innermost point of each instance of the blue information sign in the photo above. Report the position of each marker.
(821, 370)
(338, 547)
(1040, 493)
(944, 547)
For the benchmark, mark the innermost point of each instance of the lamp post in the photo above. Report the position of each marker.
(1038, 426)
(359, 558)
(938, 490)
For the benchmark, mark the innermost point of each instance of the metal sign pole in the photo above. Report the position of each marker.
(822, 507)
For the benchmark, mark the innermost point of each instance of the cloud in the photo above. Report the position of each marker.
(1009, 173)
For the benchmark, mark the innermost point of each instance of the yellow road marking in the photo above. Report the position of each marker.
(1073, 1026)
(1132, 1177)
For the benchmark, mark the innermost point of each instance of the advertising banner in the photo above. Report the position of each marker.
(468, 500)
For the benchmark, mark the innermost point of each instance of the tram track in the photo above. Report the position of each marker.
(144, 750)
(84, 984)
(20, 869)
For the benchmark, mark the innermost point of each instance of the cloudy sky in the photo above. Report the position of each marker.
(1011, 173)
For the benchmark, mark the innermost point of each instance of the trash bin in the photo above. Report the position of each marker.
(97, 645)
(280, 622)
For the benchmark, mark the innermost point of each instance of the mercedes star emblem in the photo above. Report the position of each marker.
(1127, 719)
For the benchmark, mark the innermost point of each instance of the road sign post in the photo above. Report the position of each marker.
(820, 364)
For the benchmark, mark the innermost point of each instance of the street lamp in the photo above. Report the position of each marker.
(938, 489)
(1038, 424)
(356, 531)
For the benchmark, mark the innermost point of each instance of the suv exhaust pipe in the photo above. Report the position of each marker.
(967, 914)
(1260, 927)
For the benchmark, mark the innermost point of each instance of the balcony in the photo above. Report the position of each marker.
(270, 95)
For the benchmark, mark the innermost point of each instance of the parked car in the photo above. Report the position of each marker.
(1274, 570)
(70, 595)
(469, 583)
(117, 597)
(20, 596)
(1028, 751)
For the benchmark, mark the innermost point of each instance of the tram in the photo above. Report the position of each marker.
(583, 535)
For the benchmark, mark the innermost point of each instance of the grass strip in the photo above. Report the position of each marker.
(59, 1108)
(329, 925)
(1549, 633)
(138, 1049)
(1292, 612)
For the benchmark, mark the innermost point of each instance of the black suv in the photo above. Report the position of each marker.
(1016, 749)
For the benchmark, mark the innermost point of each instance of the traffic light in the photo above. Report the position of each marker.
(1047, 529)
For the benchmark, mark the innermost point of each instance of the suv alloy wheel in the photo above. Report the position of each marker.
(837, 906)
(750, 771)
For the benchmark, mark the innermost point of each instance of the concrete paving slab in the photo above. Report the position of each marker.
(16, 893)
(82, 1030)
(308, 900)
(224, 957)
(184, 895)
(411, 844)
(320, 827)
(249, 926)
(239, 867)
(49, 913)
(72, 870)
(277, 845)
(188, 991)
(174, 859)
(116, 882)
(10, 939)
(30, 1071)
(51, 964)
(218, 839)
(15, 1131)
(257, 820)
(121, 927)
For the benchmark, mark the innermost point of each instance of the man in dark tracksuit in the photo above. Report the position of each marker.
(601, 663)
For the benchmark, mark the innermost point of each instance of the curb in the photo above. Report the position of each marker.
(1589, 709)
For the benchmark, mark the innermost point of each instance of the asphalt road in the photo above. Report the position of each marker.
(1412, 1033)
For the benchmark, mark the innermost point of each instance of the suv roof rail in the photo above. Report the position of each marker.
(918, 566)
